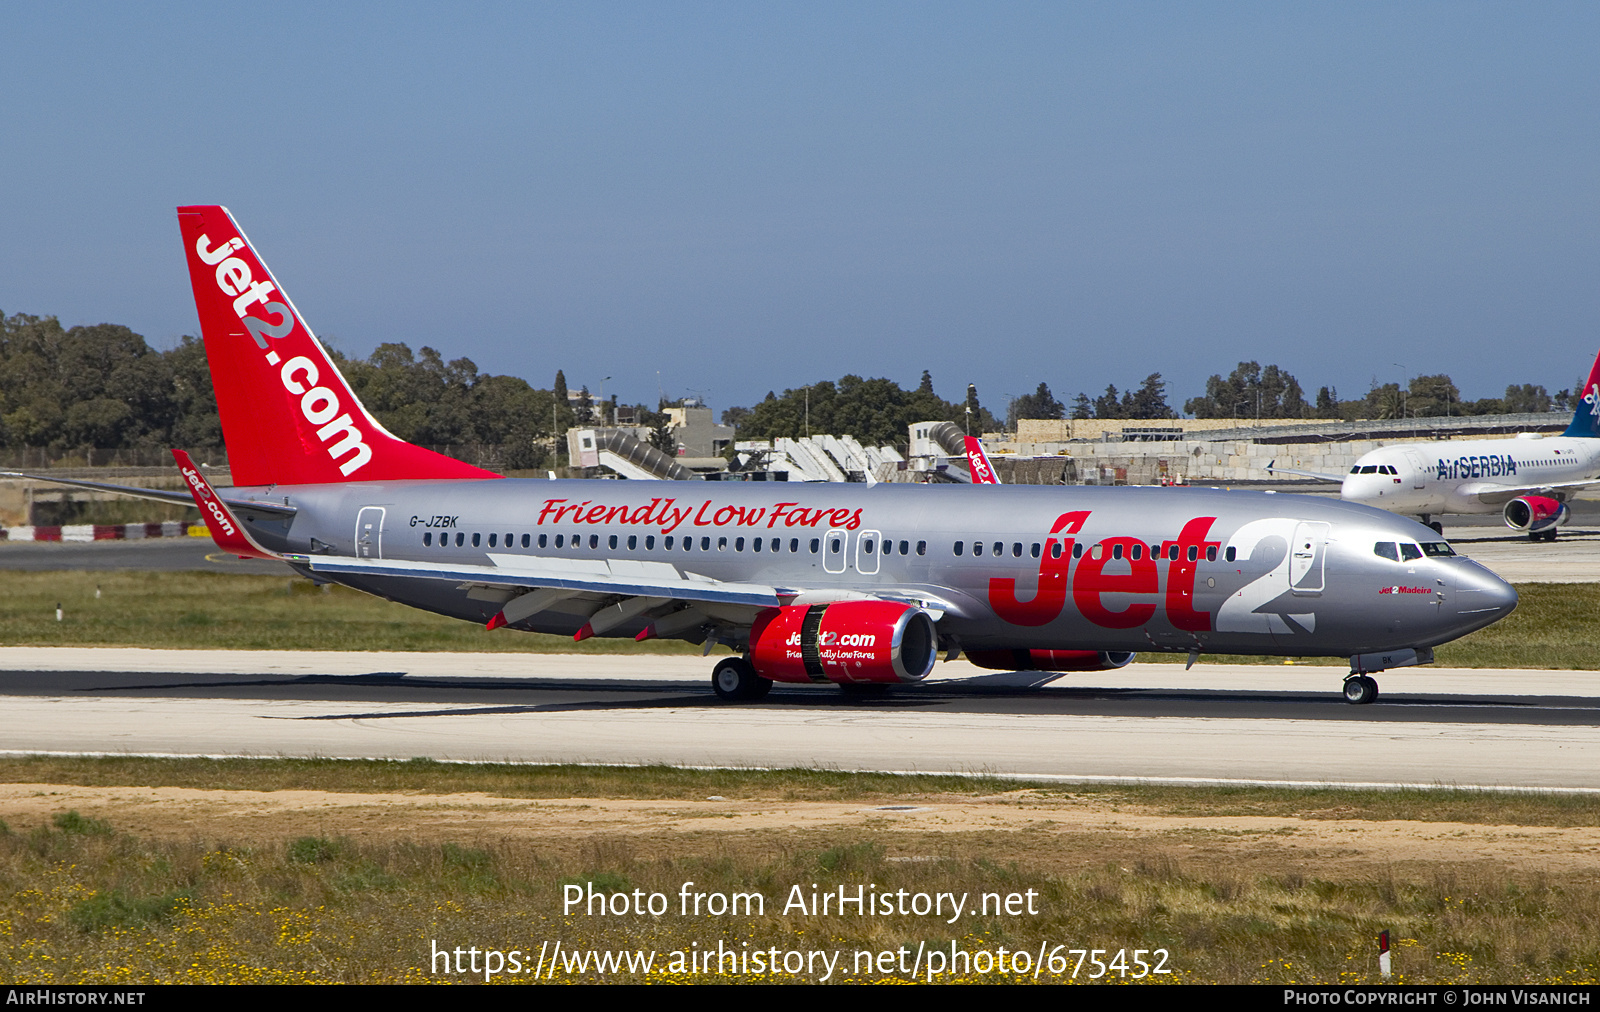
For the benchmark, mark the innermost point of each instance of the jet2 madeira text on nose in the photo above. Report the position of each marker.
(860, 586)
(1526, 479)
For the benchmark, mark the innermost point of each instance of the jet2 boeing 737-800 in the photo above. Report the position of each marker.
(1526, 479)
(856, 585)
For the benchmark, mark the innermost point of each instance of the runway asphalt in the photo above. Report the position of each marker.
(1150, 722)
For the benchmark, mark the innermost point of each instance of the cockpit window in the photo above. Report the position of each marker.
(1386, 550)
(1355, 470)
(1370, 469)
(1408, 551)
(1437, 549)
(1388, 469)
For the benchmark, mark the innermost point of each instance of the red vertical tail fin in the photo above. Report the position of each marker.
(288, 416)
(978, 462)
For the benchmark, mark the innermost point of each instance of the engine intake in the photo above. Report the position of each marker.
(845, 641)
(1050, 660)
(1535, 513)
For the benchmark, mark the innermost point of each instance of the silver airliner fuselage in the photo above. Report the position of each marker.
(1124, 569)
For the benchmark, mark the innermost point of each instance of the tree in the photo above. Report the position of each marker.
(1149, 401)
(1082, 407)
(1039, 404)
(1109, 404)
(1526, 398)
(1250, 392)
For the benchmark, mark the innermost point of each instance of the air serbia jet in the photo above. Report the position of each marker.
(1526, 479)
(829, 583)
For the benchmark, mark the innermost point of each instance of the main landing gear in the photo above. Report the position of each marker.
(735, 680)
(1549, 535)
(1360, 689)
(1433, 525)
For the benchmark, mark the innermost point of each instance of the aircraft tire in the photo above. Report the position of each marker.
(735, 680)
(1438, 528)
(1360, 690)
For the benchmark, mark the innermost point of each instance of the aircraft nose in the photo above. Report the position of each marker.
(1480, 596)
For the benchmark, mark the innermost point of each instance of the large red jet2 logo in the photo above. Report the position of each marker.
(319, 405)
(1089, 582)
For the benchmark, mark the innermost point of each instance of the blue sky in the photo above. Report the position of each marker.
(745, 197)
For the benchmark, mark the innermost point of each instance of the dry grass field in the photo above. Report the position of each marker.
(140, 871)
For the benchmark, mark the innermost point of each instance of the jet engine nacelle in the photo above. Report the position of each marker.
(845, 641)
(1049, 660)
(1534, 513)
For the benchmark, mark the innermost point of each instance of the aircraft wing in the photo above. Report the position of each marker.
(639, 583)
(1491, 494)
(605, 576)
(1335, 478)
(180, 498)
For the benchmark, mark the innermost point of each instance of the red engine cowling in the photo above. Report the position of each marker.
(1534, 513)
(846, 641)
(1049, 660)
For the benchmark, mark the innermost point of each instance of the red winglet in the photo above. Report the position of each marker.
(496, 622)
(583, 634)
(225, 528)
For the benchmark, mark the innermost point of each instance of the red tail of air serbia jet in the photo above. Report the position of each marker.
(288, 417)
(978, 461)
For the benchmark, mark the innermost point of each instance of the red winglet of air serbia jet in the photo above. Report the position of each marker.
(978, 461)
(288, 417)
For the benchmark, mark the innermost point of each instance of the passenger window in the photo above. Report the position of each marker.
(777, 545)
(688, 544)
(1138, 551)
(633, 542)
(492, 539)
(977, 548)
(738, 544)
(722, 544)
(650, 543)
(866, 546)
(833, 546)
(1408, 552)
(511, 540)
(561, 539)
(1116, 551)
(957, 547)
(922, 548)
(427, 539)
(1386, 550)
(1098, 552)
(594, 541)
(1055, 549)
(667, 542)
(755, 544)
(816, 543)
(526, 541)
(1034, 551)
(999, 549)
(612, 542)
(1077, 551)
(705, 544)
(1211, 553)
(461, 539)
(1194, 553)
(1232, 553)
